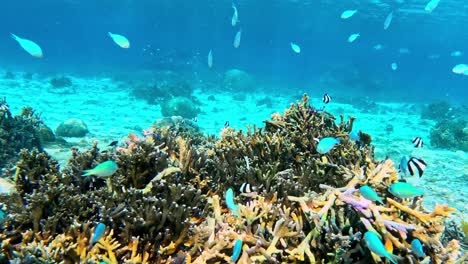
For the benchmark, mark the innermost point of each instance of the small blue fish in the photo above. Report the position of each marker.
(326, 144)
(107, 168)
(417, 248)
(404, 166)
(369, 193)
(237, 250)
(230, 202)
(2, 216)
(377, 247)
(404, 190)
(354, 135)
(98, 233)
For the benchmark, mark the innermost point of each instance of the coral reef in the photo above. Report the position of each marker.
(72, 128)
(437, 111)
(61, 85)
(451, 134)
(236, 80)
(180, 106)
(18, 132)
(164, 203)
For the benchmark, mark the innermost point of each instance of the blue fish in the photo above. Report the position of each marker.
(326, 144)
(2, 216)
(417, 248)
(354, 135)
(403, 168)
(98, 233)
(369, 193)
(404, 190)
(377, 247)
(237, 250)
(230, 202)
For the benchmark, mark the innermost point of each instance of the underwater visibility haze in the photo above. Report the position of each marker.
(175, 131)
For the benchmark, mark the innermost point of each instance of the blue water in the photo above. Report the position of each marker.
(178, 34)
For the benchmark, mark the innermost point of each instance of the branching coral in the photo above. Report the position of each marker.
(163, 203)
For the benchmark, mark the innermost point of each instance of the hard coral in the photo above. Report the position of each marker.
(18, 132)
(163, 203)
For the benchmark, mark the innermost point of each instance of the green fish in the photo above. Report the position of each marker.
(369, 193)
(404, 190)
(105, 169)
(377, 247)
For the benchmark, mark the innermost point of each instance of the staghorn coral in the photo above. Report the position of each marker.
(163, 204)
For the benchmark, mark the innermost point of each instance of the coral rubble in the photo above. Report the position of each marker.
(164, 204)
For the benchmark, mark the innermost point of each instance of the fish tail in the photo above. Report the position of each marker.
(393, 258)
(87, 173)
(110, 33)
(14, 36)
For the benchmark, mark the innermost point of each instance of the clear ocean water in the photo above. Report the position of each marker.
(179, 34)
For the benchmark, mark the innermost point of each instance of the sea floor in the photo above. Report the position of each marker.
(110, 113)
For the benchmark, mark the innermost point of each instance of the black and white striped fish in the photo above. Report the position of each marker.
(247, 188)
(226, 124)
(418, 142)
(416, 165)
(326, 98)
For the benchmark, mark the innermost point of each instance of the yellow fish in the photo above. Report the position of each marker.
(29, 46)
(120, 40)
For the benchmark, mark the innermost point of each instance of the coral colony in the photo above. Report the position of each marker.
(175, 196)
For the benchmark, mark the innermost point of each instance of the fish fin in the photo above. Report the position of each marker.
(15, 37)
(87, 173)
(393, 258)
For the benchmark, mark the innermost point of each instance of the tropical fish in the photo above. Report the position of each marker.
(418, 142)
(195, 119)
(6, 187)
(348, 13)
(210, 59)
(113, 143)
(237, 39)
(247, 188)
(456, 53)
(404, 51)
(416, 164)
(431, 5)
(107, 168)
(375, 245)
(29, 46)
(326, 98)
(120, 40)
(417, 248)
(295, 48)
(404, 165)
(460, 68)
(2, 216)
(230, 202)
(388, 21)
(235, 16)
(404, 190)
(226, 124)
(326, 144)
(369, 193)
(394, 66)
(98, 233)
(354, 135)
(353, 37)
(378, 46)
(236, 250)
